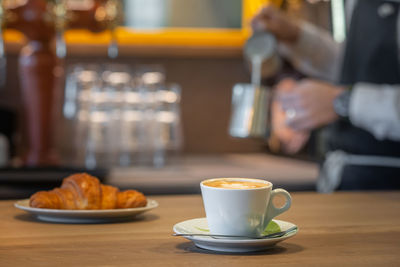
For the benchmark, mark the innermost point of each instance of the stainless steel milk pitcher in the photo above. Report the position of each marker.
(250, 111)
(250, 115)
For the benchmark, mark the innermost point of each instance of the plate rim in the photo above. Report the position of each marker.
(23, 204)
(237, 241)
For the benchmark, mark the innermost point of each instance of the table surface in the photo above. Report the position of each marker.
(341, 229)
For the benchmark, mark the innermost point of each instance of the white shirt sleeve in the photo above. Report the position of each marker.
(373, 107)
(376, 109)
(315, 53)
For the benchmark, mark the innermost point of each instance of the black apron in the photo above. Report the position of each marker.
(371, 55)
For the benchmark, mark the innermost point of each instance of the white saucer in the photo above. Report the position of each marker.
(199, 226)
(84, 216)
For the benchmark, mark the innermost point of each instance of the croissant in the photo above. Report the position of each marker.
(85, 192)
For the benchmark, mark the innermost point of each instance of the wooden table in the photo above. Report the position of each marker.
(342, 229)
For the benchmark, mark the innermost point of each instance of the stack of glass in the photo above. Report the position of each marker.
(122, 117)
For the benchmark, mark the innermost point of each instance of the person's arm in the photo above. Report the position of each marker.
(310, 49)
(315, 53)
(376, 109)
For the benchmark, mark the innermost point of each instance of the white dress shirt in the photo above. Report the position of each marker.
(373, 107)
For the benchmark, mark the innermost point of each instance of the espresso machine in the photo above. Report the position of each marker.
(41, 77)
(41, 67)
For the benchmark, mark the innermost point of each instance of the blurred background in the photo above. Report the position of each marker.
(142, 94)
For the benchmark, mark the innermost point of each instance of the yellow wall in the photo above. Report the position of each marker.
(169, 36)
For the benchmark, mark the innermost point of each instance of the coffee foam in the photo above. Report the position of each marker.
(235, 184)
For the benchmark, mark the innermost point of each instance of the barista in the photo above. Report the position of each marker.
(355, 89)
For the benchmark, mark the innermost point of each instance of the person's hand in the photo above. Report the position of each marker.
(284, 138)
(310, 104)
(276, 22)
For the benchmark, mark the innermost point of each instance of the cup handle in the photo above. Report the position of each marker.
(273, 211)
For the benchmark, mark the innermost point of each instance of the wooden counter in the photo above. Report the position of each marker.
(183, 175)
(341, 229)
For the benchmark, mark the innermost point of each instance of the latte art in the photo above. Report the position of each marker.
(235, 184)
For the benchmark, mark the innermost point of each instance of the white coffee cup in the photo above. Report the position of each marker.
(240, 206)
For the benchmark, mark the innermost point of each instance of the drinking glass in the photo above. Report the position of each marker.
(120, 117)
(151, 149)
(169, 117)
(80, 80)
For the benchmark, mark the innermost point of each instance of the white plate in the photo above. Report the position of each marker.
(84, 216)
(199, 226)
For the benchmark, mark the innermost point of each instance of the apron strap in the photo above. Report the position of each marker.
(330, 175)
